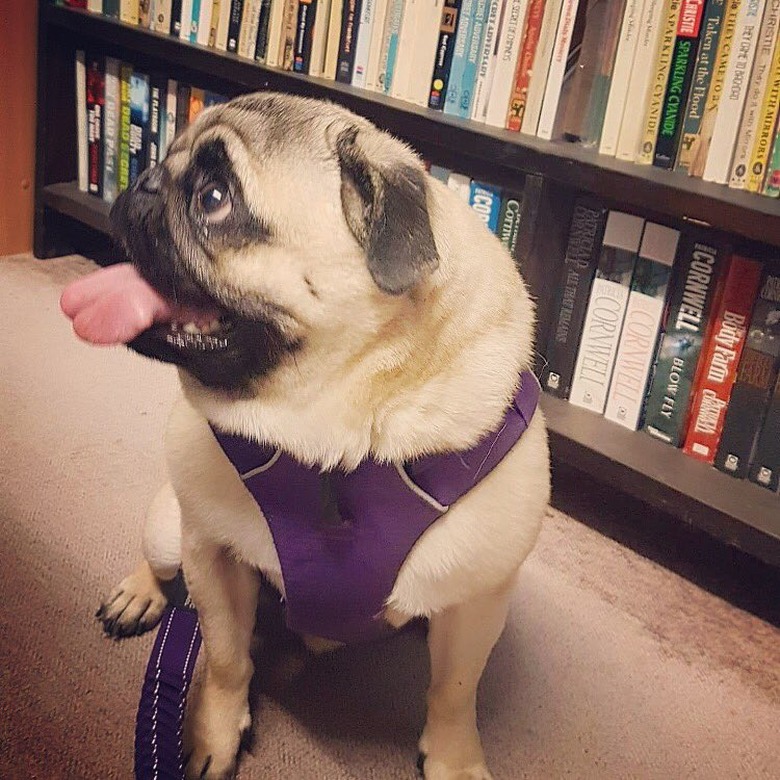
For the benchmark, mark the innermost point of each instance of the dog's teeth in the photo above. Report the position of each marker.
(191, 327)
(175, 327)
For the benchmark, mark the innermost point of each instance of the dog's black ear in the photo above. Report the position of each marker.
(386, 208)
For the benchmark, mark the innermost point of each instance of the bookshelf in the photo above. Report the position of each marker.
(67, 220)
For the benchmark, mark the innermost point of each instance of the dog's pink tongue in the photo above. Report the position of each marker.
(113, 305)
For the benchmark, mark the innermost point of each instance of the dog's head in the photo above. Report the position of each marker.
(270, 218)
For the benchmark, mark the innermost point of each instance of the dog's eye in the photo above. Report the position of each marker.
(214, 201)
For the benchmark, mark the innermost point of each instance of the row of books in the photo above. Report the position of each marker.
(687, 84)
(674, 333)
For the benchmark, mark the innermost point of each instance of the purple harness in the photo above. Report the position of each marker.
(341, 539)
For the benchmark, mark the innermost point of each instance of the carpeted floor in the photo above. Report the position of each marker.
(610, 667)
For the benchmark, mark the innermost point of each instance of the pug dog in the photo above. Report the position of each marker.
(325, 299)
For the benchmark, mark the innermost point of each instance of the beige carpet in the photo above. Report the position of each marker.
(610, 667)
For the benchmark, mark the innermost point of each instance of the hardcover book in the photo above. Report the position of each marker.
(756, 375)
(695, 283)
(445, 48)
(765, 468)
(606, 310)
(139, 123)
(486, 201)
(639, 339)
(577, 272)
(720, 358)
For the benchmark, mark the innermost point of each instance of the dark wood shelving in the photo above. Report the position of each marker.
(68, 199)
(644, 187)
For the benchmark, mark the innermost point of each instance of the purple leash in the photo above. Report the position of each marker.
(159, 754)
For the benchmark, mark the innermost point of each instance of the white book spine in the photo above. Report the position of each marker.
(162, 16)
(96, 6)
(246, 43)
(170, 118)
(428, 26)
(460, 184)
(128, 11)
(510, 41)
(552, 92)
(604, 318)
(223, 24)
(403, 61)
(541, 67)
(81, 120)
(375, 45)
(332, 44)
(204, 22)
(320, 37)
(759, 80)
(486, 61)
(186, 20)
(393, 18)
(275, 22)
(363, 40)
(735, 88)
(111, 130)
(632, 125)
(621, 74)
(636, 351)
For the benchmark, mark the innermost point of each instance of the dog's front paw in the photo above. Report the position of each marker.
(213, 736)
(134, 606)
(431, 769)
(451, 754)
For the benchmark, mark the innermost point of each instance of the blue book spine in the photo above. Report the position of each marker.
(485, 199)
(473, 56)
(194, 21)
(139, 123)
(458, 66)
(396, 11)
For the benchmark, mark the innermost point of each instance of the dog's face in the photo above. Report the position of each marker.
(272, 221)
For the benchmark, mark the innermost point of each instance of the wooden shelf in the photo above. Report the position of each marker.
(644, 187)
(737, 511)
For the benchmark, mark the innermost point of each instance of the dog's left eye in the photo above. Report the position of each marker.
(214, 201)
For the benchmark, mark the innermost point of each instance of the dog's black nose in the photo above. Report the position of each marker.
(151, 180)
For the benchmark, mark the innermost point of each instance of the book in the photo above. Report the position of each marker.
(486, 61)
(523, 53)
(123, 163)
(157, 92)
(458, 98)
(201, 24)
(765, 468)
(197, 103)
(185, 21)
(213, 22)
(759, 78)
(701, 143)
(711, 27)
(128, 11)
(440, 172)
(460, 184)
(166, 137)
(767, 122)
(445, 48)
(349, 26)
(485, 199)
(81, 120)
(573, 293)
(624, 59)
(183, 92)
(263, 21)
(304, 36)
(424, 51)
(533, 186)
(176, 9)
(660, 70)
(95, 103)
(756, 376)
(686, 48)
(771, 186)
(319, 38)
(234, 27)
(509, 221)
(111, 9)
(223, 24)
(720, 358)
(552, 93)
(641, 326)
(162, 16)
(364, 36)
(250, 21)
(375, 46)
(144, 15)
(695, 282)
(735, 87)
(640, 83)
(95, 6)
(332, 43)
(111, 130)
(139, 123)
(606, 310)
(541, 66)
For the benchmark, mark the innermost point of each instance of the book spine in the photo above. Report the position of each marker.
(364, 35)
(560, 55)
(771, 186)
(678, 85)
(765, 468)
(95, 105)
(541, 66)
(307, 16)
(213, 22)
(139, 123)
(701, 144)
(735, 88)
(429, 22)
(461, 184)
(661, 69)
(720, 358)
(767, 123)
(445, 48)
(176, 9)
(508, 46)
(261, 40)
(202, 23)
(404, 52)
(486, 201)
(128, 11)
(473, 52)
(234, 28)
(390, 41)
(191, 34)
(111, 9)
(756, 376)
(123, 162)
(81, 120)
(640, 83)
(486, 61)
(185, 22)
(624, 60)
(694, 288)
(514, 110)
(440, 173)
(702, 75)
(156, 106)
(162, 16)
(332, 45)
(458, 63)
(182, 106)
(111, 130)
(641, 327)
(759, 79)
(532, 198)
(223, 23)
(577, 273)
(247, 37)
(606, 310)
(197, 103)
(349, 28)
(289, 33)
(95, 6)
(169, 118)
(509, 220)
(275, 22)
(144, 16)
(375, 46)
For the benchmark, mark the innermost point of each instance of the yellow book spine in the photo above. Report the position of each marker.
(766, 126)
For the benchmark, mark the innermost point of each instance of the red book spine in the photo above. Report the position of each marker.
(95, 104)
(533, 27)
(718, 368)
